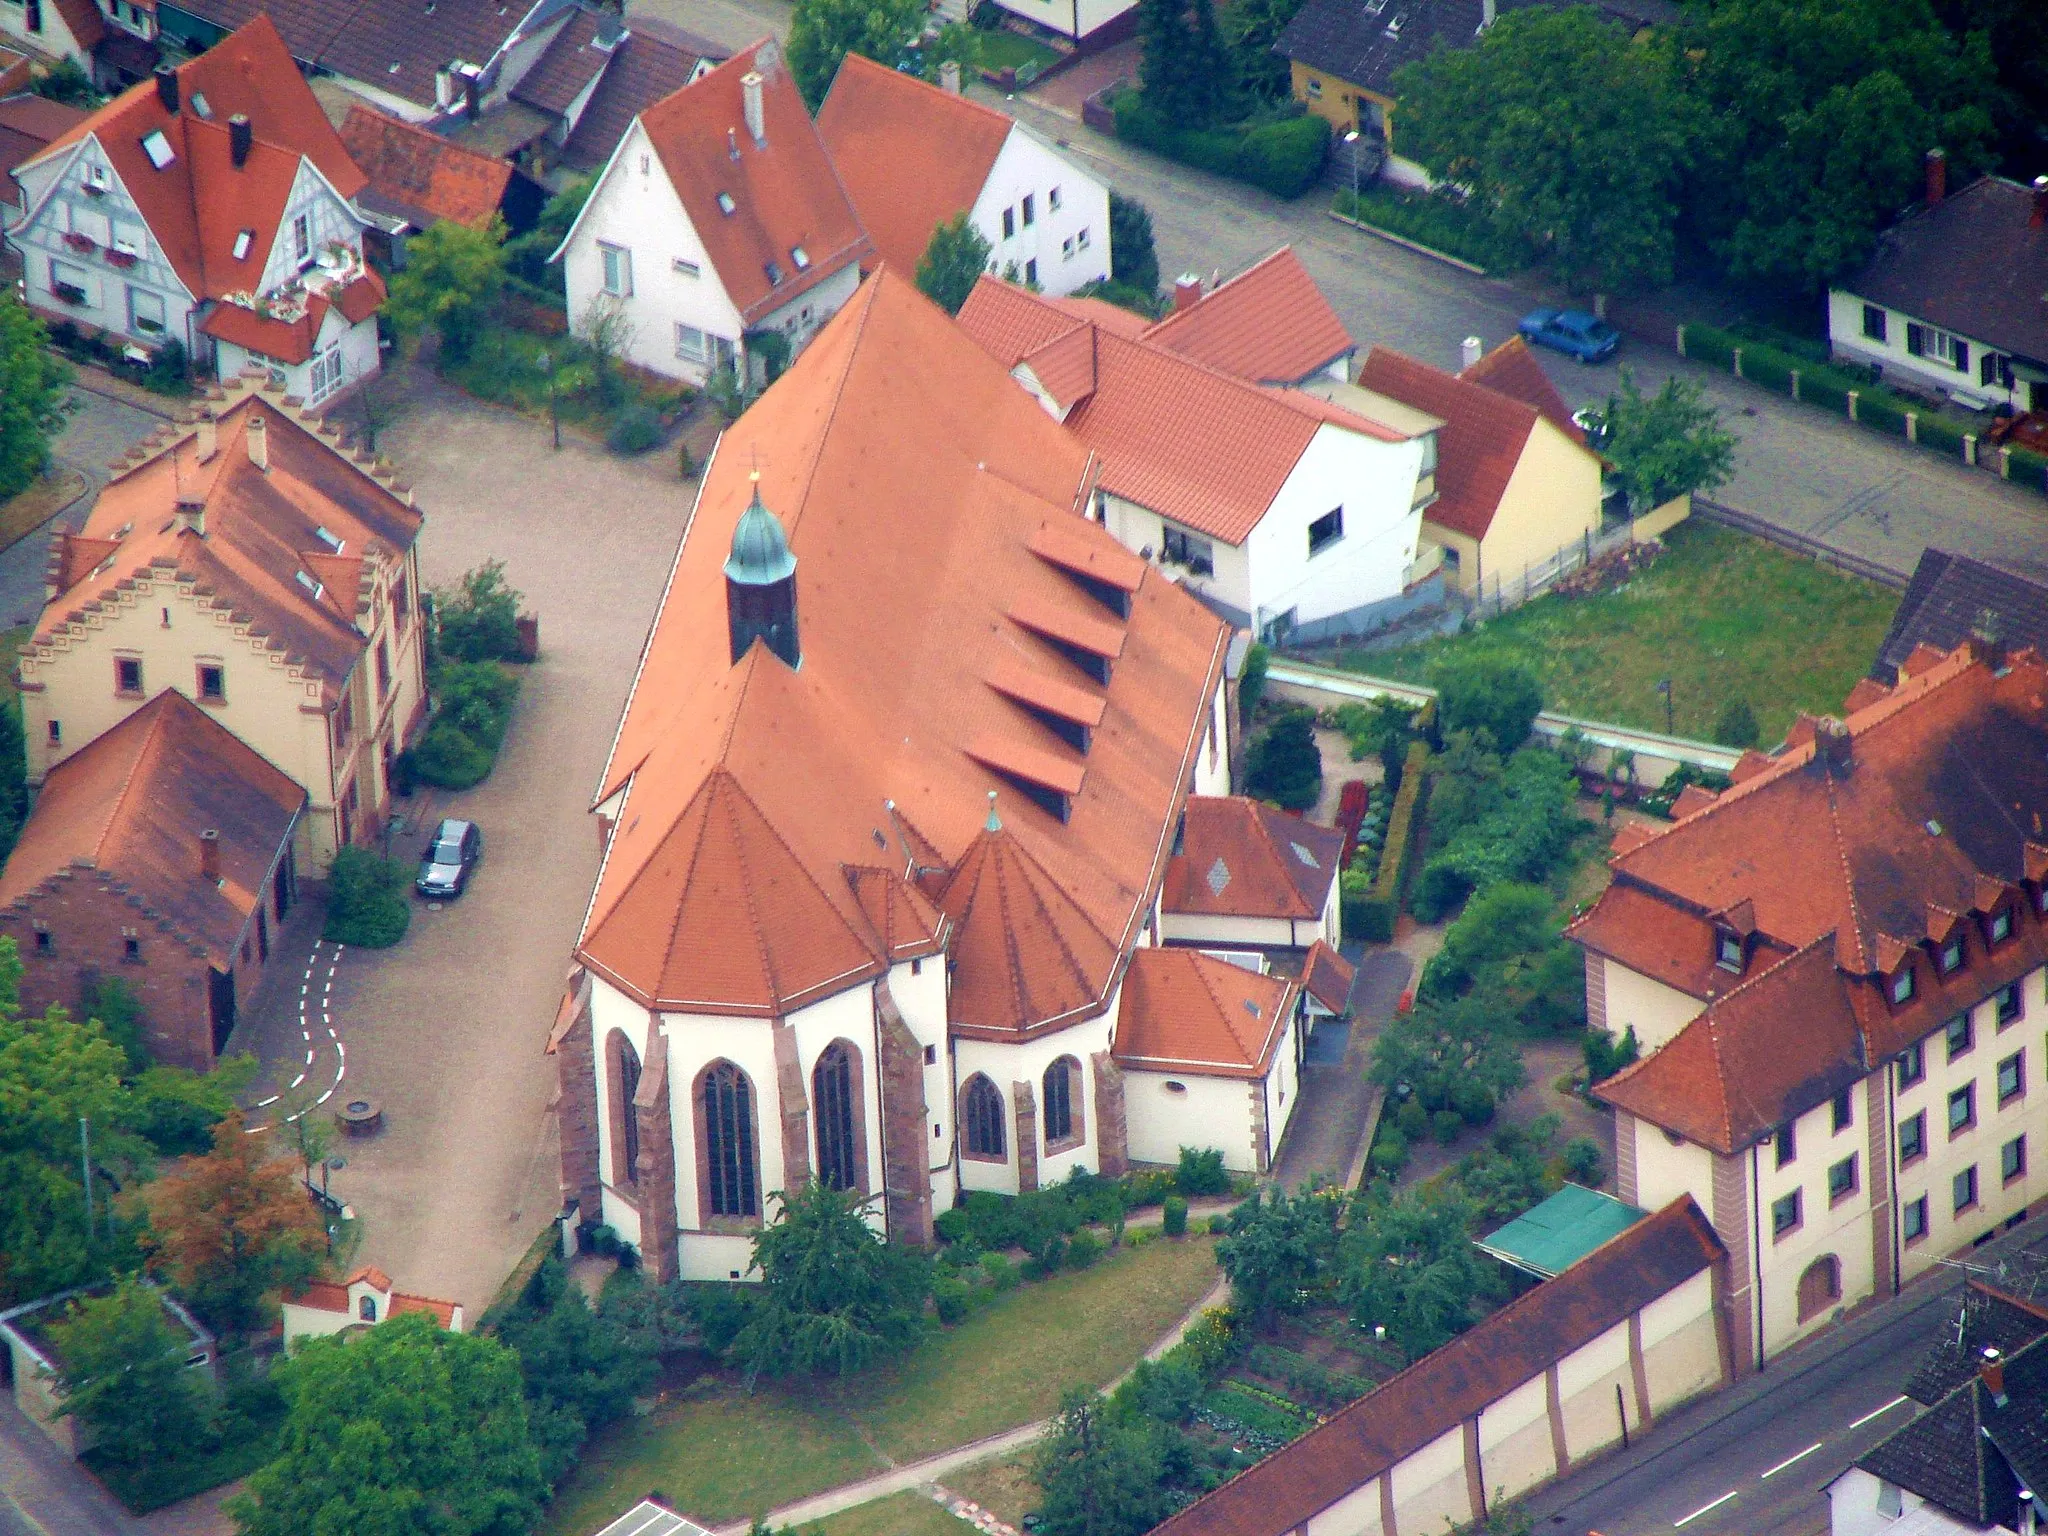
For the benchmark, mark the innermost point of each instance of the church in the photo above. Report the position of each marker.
(887, 823)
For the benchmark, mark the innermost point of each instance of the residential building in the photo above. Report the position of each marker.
(1248, 877)
(1954, 301)
(1285, 513)
(159, 854)
(1835, 970)
(248, 563)
(1514, 482)
(1343, 55)
(718, 229)
(29, 124)
(364, 1300)
(53, 30)
(1092, 24)
(887, 816)
(416, 178)
(34, 1364)
(643, 65)
(1562, 1372)
(211, 207)
(1270, 324)
(16, 72)
(914, 155)
(1952, 597)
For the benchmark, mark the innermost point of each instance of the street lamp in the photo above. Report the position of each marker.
(546, 365)
(1351, 146)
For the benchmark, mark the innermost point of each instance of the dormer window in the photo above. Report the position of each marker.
(774, 272)
(725, 204)
(200, 104)
(1902, 986)
(2001, 924)
(327, 537)
(158, 148)
(317, 588)
(1728, 950)
(1950, 957)
(800, 256)
(95, 178)
(244, 238)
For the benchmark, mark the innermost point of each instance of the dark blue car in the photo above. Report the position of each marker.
(1571, 331)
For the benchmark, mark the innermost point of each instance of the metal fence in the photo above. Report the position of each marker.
(1854, 565)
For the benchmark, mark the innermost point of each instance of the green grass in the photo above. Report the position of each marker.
(1437, 220)
(1004, 49)
(901, 1514)
(721, 1454)
(1725, 616)
(1004, 1487)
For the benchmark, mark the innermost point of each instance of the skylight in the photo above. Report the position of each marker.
(774, 273)
(317, 588)
(327, 537)
(725, 203)
(201, 105)
(244, 238)
(1303, 854)
(800, 256)
(158, 148)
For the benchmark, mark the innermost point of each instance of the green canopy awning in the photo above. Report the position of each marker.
(1561, 1231)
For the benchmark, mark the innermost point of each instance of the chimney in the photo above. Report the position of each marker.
(1992, 1370)
(732, 143)
(191, 514)
(1187, 291)
(750, 96)
(472, 88)
(949, 76)
(2040, 213)
(611, 27)
(1937, 176)
(209, 855)
(207, 443)
(167, 87)
(240, 137)
(258, 439)
(1831, 744)
(1470, 350)
(444, 89)
(1488, 11)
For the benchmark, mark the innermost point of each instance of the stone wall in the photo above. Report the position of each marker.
(576, 1101)
(906, 1162)
(657, 1165)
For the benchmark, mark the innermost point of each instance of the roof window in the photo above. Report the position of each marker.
(317, 588)
(800, 256)
(774, 272)
(326, 536)
(201, 105)
(726, 204)
(244, 238)
(158, 148)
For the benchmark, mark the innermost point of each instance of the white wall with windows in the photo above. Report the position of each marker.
(1971, 372)
(1042, 214)
(343, 355)
(1003, 1063)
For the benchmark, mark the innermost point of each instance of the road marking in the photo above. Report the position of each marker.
(1703, 1509)
(1877, 1413)
(1781, 1466)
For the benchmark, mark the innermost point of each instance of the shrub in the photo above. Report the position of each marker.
(1412, 1120)
(366, 900)
(1283, 764)
(1368, 919)
(1941, 435)
(1251, 682)
(1500, 696)
(1605, 1055)
(1175, 1217)
(1390, 1152)
(2028, 468)
(1445, 1125)
(1084, 1249)
(1441, 888)
(1735, 725)
(1583, 1161)
(1201, 1172)
(447, 758)
(1397, 852)
(1472, 1102)
(1767, 366)
(1052, 1254)
(477, 619)
(952, 1299)
(1440, 220)
(1001, 1273)
(635, 429)
(1710, 345)
(473, 709)
(1881, 415)
(1283, 157)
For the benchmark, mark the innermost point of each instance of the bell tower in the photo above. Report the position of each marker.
(760, 584)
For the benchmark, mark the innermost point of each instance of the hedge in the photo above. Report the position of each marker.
(1881, 415)
(1936, 432)
(1283, 157)
(2028, 467)
(473, 702)
(1371, 917)
(1710, 346)
(1438, 220)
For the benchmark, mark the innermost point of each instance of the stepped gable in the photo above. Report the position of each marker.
(911, 477)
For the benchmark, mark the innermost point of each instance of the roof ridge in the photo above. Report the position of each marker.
(726, 784)
(1841, 841)
(1457, 379)
(146, 750)
(823, 435)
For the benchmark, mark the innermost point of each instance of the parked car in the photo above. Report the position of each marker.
(451, 855)
(1571, 331)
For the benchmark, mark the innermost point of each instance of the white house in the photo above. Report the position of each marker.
(210, 206)
(54, 29)
(1955, 298)
(718, 229)
(1285, 513)
(1249, 877)
(364, 1300)
(914, 155)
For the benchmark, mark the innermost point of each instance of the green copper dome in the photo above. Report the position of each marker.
(760, 549)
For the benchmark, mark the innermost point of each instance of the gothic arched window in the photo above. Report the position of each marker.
(725, 1118)
(982, 1113)
(835, 1101)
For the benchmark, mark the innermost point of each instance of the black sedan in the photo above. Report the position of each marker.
(453, 853)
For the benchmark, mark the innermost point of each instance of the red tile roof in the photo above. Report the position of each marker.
(27, 126)
(127, 810)
(911, 155)
(1479, 445)
(913, 478)
(198, 205)
(1270, 324)
(1184, 1011)
(652, 60)
(1327, 977)
(293, 340)
(1450, 1386)
(785, 191)
(332, 1296)
(566, 67)
(1511, 369)
(1243, 858)
(421, 175)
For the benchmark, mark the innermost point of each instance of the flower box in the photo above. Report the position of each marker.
(79, 242)
(70, 293)
(121, 258)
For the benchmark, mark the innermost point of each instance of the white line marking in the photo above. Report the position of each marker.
(302, 1077)
(309, 1058)
(1877, 1413)
(265, 1104)
(1703, 1509)
(1781, 1466)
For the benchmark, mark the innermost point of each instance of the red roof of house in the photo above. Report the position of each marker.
(1511, 369)
(768, 810)
(786, 195)
(1243, 858)
(421, 175)
(1327, 977)
(911, 155)
(293, 340)
(200, 203)
(1184, 1011)
(332, 1296)
(28, 124)
(1270, 324)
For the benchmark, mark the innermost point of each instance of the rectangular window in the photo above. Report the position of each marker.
(1961, 1036)
(145, 312)
(383, 669)
(1009, 222)
(1962, 1109)
(1914, 1219)
(56, 733)
(325, 377)
(1315, 89)
(1913, 1137)
(1189, 549)
(1902, 986)
(1844, 1109)
(1081, 241)
(1950, 958)
(1963, 1189)
(1325, 531)
(68, 283)
(618, 269)
(344, 723)
(2008, 1000)
(1842, 1180)
(1785, 1214)
(1787, 1142)
(2012, 1159)
(1873, 323)
(2012, 1077)
(302, 240)
(684, 268)
(2001, 922)
(1912, 1065)
(1052, 199)
(213, 682)
(1031, 272)
(131, 950)
(690, 344)
(128, 674)
(1029, 214)
(1938, 346)
(1728, 951)
(1067, 249)
(44, 943)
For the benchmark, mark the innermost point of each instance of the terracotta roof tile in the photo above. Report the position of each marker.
(130, 806)
(785, 191)
(904, 919)
(1945, 601)
(1182, 1010)
(1328, 976)
(566, 67)
(1060, 543)
(1511, 369)
(27, 126)
(911, 155)
(289, 341)
(1026, 955)
(1270, 324)
(420, 175)
(1452, 1385)
(1242, 858)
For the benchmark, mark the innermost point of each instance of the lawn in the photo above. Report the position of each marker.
(1003, 1487)
(1723, 615)
(901, 1514)
(1004, 49)
(720, 1454)
(45, 497)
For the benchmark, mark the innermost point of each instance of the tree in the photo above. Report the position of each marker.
(1381, 728)
(1735, 725)
(1103, 1473)
(1251, 682)
(67, 82)
(1665, 445)
(1132, 259)
(1440, 1043)
(582, 1369)
(823, 32)
(1253, 27)
(304, 1127)
(1501, 696)
(1568, 133)
(952, 263)
(607, 326)
(1499, 926)
(1408, 1265)
(834, 1297)
(1511, 1176)
(1606, 1056)
(232, 1226)
(407, 1428)
(32, 380)
(478, 618)
(1185, 66)
(450, 284)
(1284, 765)
(526, 256)
(13, 776)
(1278, 1252)
(124, 1375)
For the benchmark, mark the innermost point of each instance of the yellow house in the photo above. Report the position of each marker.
(1515, 481)
(249, 563)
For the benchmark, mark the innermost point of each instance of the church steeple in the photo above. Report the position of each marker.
(760, 584)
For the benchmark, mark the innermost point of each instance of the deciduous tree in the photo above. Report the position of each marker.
(1278, 1251)
(450, 284)
(124, 1374)
(1665, 445)
(1186, 68)
(1103, 1473)
(1501, 696)
(952, 263)
(31, 394)
(1440, 1043)
(1408, 1265)
(1132, 258)
(823, 32)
